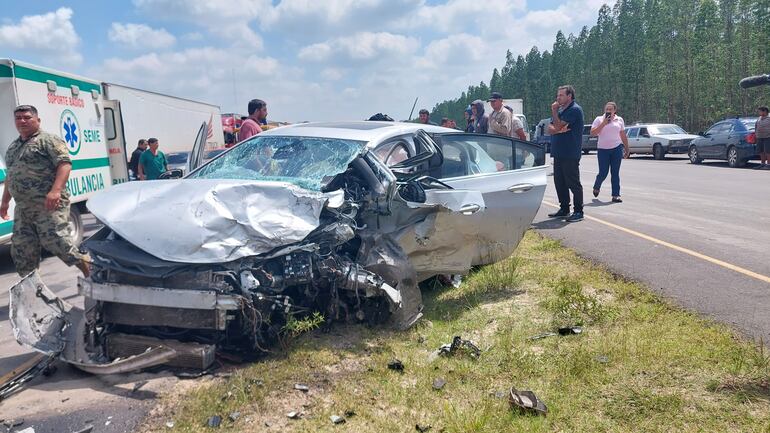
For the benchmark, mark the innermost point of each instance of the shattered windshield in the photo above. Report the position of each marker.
(303, 161)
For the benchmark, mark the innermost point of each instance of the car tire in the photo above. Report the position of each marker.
(658, 152)
(76, 225)
(694, 156)
(733, 159)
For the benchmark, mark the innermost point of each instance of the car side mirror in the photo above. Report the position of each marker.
(176, 173)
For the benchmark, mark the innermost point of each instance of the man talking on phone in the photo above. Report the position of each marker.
(566, 131)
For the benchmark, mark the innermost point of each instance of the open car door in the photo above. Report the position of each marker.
(511, 176)
(196, 155)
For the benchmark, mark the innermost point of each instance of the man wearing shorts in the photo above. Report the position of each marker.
(762, 130)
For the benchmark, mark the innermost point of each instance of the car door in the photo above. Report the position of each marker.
(716, 138)
(510, 174)
(644, 141)
(734, 134)
(195, 159)
(633, 139)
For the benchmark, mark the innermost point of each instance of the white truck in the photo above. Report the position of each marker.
(100, 123)
(517, 105)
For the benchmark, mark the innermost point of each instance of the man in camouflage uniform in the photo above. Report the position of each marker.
(38, 167)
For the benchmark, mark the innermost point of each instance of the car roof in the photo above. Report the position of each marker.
(371, 132)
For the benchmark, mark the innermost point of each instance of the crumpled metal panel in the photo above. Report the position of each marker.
(210, 221)
(49, 325)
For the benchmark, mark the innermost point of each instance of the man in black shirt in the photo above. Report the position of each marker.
(566, 131)
(133, 164)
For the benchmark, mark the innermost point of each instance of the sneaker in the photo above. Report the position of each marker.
(617, 199)
(560, 214)
(596, 192)
(575, 217)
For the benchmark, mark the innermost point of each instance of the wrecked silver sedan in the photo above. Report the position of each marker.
(343, 219)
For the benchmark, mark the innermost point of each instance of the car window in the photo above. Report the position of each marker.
(666, 130)
(467, 154)
(392, 153)
(643, 131)
(307, 162)
(633, 132)
(749, 123)
(720, 128)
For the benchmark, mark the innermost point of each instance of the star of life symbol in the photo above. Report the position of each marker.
(70, 131)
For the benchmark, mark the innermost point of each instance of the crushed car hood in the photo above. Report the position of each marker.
(211, 221)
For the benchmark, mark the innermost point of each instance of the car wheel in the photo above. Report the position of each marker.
(693, 154)
(657, 152)
(733, 159)
(76, 226)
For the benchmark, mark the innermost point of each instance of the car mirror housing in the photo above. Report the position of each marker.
(176, 173)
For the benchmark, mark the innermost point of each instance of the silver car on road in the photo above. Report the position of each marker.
(658, 139)
(341, 220)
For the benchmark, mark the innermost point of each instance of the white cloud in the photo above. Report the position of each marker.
(332, 74)
(228, 19)
(51, 36)
(330, 17)
(473, 16)
(361, 47)
(140, 36)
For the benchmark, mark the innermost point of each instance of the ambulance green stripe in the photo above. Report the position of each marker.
(5, 71)
(42, 77)
(6, 227)
(80, 164)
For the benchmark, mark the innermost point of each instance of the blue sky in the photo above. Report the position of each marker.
(309, 59)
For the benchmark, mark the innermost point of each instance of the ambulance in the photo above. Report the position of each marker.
(101, 124)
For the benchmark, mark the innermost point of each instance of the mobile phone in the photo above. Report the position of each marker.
(607, 114)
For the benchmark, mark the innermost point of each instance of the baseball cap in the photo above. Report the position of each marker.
(495, 95)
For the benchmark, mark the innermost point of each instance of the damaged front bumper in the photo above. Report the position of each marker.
(51, 326)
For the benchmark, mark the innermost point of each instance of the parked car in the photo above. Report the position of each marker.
(658, 139)
(542, 137)
(732, 140)
(589, 142)
(177, 160)
(343, 219)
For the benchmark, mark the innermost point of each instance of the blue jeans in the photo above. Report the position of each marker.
(609, 161)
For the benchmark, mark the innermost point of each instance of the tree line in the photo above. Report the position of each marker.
(672, 61)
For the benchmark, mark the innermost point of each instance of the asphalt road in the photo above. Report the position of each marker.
(720, 216)
(69, 400)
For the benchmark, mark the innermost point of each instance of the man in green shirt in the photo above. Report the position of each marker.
(152, 162)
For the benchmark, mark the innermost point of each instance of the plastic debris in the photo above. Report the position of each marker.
(86, 429)
(543, 335)
(396, 365)
(234, 416)
(602, 359)
(422, 428)
(293, 415)
(214, 421)
(301, 387)
(526, 402)
(459, 345)
(27, 430)
(337, 419)
(170, 424)
(571, 330)
(439, 384)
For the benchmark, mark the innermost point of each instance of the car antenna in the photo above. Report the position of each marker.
(413, 105)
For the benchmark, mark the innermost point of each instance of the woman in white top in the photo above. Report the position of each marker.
(613, 147)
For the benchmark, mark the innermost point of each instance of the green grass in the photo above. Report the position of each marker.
(641, 365)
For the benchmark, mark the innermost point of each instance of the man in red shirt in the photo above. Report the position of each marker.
(251, 126)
